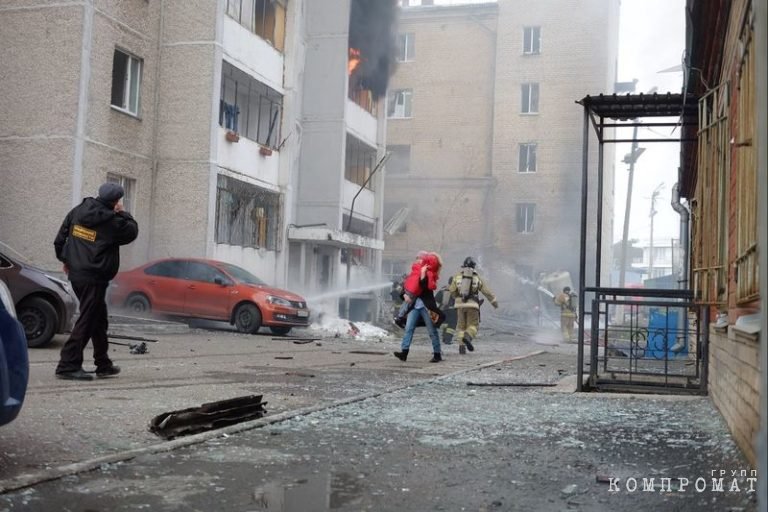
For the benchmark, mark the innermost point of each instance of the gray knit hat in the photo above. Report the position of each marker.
(111, 192)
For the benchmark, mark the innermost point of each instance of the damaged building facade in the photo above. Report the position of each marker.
(484, 136)
(723, 176)
(238, 128)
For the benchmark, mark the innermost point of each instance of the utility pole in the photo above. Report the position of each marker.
(653, 213)
(630, 158)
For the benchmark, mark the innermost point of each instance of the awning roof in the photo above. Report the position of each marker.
(634, 106)
(333, 237)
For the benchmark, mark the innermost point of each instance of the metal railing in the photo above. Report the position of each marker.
(646, 340)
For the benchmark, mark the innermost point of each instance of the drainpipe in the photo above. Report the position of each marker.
(82, 103)
(684, 232)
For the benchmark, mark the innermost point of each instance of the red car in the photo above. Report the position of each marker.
(209, 289)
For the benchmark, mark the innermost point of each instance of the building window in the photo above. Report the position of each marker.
(360, 160)
(399, 103)
(532, 40)
(405, 46)
(249, 107)
(527, 161)
(395, 218)
(246, 215)
(129, 185)
(530, 96)
(126, 82)
(265, 18)
(399, 159)
(525, 212)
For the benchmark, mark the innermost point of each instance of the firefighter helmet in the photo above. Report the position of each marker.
(468, 262)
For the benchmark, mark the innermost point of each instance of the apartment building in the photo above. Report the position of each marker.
(237, 127)
(485, 137)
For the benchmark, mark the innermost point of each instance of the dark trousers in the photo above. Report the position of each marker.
(92, 324)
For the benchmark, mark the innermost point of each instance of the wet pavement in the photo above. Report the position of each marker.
(424, 440)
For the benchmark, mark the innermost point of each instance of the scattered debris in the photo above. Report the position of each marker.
(303, 342)
(300, 374)
(283, 357)
(134, 348)
(569, 489)
(369, 352)
(353, 329)
(133, 338)
(208, 416)
(520, 384)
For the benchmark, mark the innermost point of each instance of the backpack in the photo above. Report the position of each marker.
(469, 284)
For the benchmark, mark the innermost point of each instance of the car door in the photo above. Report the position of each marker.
(208, 293)
(165, 286)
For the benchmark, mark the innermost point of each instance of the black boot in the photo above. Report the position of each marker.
(468, 342)
(403, 355)
(436, 357)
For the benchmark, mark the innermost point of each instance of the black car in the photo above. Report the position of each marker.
(45, 305)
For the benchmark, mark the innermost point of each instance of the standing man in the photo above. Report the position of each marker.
(88, 243)
(567, 312)
(466, 288)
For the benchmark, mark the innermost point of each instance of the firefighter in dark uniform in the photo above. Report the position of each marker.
(88, 243)
(466, 288)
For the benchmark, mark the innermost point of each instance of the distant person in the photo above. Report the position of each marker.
(466, 288)
(424, 308)
(88, 243)
(412, 286)
(565, 302)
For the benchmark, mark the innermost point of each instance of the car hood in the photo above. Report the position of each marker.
(278, 292)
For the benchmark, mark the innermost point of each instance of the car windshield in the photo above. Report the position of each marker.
(241, 274)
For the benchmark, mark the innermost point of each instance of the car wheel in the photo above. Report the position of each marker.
(280, 331)
(138, 303)
(247, 318)
(39, 318)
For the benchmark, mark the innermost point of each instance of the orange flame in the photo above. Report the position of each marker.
(354, 60)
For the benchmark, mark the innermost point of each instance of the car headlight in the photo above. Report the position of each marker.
(279, 301)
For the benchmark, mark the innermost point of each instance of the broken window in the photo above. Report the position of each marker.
(360, 160)
(129, 186)
(265, 18)
(405, 46)
(527, 161)
(399, 103)
(525, 212)
(395, 215)
(126, 82)
(399, 159)
(249, 107)
(246, 215)
(530, 96)
(531, 40)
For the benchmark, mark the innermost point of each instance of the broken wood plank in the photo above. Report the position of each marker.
(369, 352)
(209, 416)
(283, 357)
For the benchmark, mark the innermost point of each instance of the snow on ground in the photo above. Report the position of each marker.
(328, 326)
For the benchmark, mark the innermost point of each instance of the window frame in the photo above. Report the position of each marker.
(255, 222)
(528, 147)
(128, 75)
(526, 217)
(407, 95)
(532, 45)
(408, 42)
(527, 91)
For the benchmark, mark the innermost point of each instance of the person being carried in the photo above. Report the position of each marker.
(412, 284)
(424, 311)
(88, 243)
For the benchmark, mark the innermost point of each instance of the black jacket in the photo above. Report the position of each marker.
(89, 241)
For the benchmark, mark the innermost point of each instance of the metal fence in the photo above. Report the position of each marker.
(648, 340)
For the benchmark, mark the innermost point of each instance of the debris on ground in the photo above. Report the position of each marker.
(208, 416)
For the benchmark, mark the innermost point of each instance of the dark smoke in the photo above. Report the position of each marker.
(372, 30)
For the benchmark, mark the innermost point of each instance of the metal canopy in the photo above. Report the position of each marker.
(631, 107)
(621, 111)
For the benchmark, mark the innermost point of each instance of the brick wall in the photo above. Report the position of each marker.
(734, 384)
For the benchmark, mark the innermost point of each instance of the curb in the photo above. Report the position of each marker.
(30, 479)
